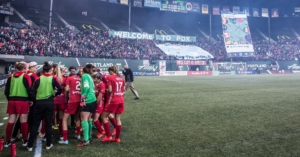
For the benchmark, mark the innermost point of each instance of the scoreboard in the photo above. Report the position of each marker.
(173, 5)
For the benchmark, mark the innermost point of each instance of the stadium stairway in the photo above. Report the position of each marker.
(75, 30)
(27, 21)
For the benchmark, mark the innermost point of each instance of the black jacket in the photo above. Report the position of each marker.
(128, 75)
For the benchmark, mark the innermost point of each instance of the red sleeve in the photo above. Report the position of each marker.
(108, 81)
(56, 79)
(102, 88)
(27, 77)
(68, 81)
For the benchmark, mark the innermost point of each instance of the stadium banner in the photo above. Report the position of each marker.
(188, 52)
(199, 73)
(145, 73)
(255, 12)
(259, 65)
(3, 79)
(216, 10)
(190, 62)
(162, 65)
(113, 1)
(131, 35)
(173, 73)
(235, 9)
(226, 8)
(245, 72)
(274, 12)
(205, 9)
(152, 3)
(138, 3)
(175, 38)
(124, 2)
(104, 64)
(173, 6)
(246, 11)
(236, 34)
(297, 9)
(264, 12)
(192, 7)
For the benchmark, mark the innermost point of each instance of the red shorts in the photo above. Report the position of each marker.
(117, 108)
(17, 107)
(60, 103)
(72, 108)
(100, 107)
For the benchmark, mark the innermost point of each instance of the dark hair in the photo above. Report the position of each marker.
(47, 67)
(20, 66)
(88, 69)
(97, 76)
(115, 70)
(72, 67)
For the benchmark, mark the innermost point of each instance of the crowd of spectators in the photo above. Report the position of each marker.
(62, 42)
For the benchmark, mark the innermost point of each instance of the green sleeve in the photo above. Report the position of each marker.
(85, 86)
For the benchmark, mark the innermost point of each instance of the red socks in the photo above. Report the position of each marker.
(24, 131)
(78, 128)
(98, 126)
(118, 131)
(9, 128)
(113, 122)
(107, 129)
(65, 134)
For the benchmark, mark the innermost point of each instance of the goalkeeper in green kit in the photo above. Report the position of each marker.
(88, 104)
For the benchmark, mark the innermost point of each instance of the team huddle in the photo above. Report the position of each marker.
(52, 95)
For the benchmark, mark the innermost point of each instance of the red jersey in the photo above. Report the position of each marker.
(100, 88)
(118, 85)
(74, 88)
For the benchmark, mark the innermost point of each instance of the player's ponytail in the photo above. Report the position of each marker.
(46, 67)
(114, 70)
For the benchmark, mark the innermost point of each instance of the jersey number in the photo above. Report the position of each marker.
(78, 85)
(118, 86)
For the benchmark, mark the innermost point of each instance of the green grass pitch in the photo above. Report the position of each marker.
(254, 115)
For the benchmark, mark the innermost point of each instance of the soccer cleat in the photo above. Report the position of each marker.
(77, 137)
(54, 127)
(24, 144)
(61, 137)
(114, 132)
(29, 149)
(7, 144)
(84, 143)
(99, 135)
(106, 139)
(49, 147)
(116, 140)
(63, 142)
(136, 98)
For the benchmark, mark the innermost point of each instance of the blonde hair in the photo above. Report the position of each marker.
(58, 74)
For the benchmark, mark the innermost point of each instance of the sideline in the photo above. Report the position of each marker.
(38, 148)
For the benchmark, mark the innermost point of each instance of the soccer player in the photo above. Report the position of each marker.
(32, 73)
(88, 104)
(106, 98)
(115, 104)
(73, 88)
(44, 90)
(100, 91)
(19, 96)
